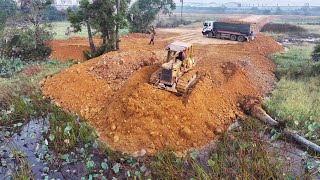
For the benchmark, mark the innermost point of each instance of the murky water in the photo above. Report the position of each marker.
(33, 149)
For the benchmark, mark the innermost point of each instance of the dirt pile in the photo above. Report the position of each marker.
(136, 117)
(70, 49)
(122, 65)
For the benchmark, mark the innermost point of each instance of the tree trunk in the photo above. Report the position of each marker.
(251, 107)
(92, 47)
(117, 26)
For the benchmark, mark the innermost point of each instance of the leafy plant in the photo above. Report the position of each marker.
(143, 12)
(10, 66)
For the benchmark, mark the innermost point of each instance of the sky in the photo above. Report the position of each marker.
(256, 2)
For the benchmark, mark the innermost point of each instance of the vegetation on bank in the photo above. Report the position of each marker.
(296, 99)
(282, 28)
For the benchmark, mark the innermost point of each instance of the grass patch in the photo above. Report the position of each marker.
(59, 28)
(242, 153)
(296, 100)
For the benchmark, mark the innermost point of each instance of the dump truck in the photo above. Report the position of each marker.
(235, 31)
(177, 74)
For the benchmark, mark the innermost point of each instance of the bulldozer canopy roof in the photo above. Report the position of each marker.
(178, 46)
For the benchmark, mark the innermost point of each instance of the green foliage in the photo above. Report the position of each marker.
(26, 33)
(10, 66)
(51, 13)
(295, 63)
(29, 43)
(316, 53)
(101, 16)
(296, 100)
(143, 12)
(241, 153)
(282, 28)
(8, 9)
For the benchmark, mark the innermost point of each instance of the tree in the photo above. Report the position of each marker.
(28, 31)
(81, 17)
(100, 15)
(8, 9)
(143, 12)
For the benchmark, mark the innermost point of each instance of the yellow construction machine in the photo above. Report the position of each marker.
(177, 74)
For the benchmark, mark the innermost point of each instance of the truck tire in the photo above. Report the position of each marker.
(241, 38)
(210, 34)
(218, 35)
(233, 37)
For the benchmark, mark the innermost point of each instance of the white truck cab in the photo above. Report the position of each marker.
(207, 27)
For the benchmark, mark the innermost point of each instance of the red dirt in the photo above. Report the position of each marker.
(29, 71)
(112, 93)
(70, 49)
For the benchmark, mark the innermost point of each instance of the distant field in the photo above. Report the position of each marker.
(60, 28)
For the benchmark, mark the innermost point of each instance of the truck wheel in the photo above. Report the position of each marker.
(210, 34)
(241, 38)
(218, 35)
(233, 37)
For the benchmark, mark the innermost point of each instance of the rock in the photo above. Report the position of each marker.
(116, 139)
(186, 132)
(154, 134)
(113, 127)
(218, 130)
(139, 153)
(151, 151)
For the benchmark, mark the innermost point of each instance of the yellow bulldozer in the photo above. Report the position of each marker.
(177, 74)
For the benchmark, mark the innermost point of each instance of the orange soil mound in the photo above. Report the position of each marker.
(122, 65)
(70, 49)
(136, 116)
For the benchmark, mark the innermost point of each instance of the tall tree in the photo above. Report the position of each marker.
(143, 12)
(81, 17)
(103, 17)
(28, 31)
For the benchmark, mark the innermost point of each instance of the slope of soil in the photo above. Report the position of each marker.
(130, 115)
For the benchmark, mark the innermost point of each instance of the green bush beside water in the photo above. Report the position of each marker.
(296, 99)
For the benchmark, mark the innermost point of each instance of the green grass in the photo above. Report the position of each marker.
(241, 153)
(297, 20)
(59, 28)
(296, 99)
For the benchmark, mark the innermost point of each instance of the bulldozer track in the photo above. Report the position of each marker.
(186, 81)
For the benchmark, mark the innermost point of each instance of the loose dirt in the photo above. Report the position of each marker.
(112, 92)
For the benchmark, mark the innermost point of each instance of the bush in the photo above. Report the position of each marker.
(10, 66)
(104, 48)
(282, 28)
(51, 13)
(28, 43)
(316, 53)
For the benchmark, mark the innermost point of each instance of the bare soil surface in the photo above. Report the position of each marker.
(130, 115)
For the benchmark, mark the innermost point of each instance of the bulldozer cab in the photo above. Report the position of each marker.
(177, 75)
(179, 60)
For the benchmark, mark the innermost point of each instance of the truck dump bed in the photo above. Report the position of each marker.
(235, 27)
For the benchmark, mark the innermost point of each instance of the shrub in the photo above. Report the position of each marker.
(99, 51)
(316, 53)
(282, 28)
(10, 66)
(28, 43)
